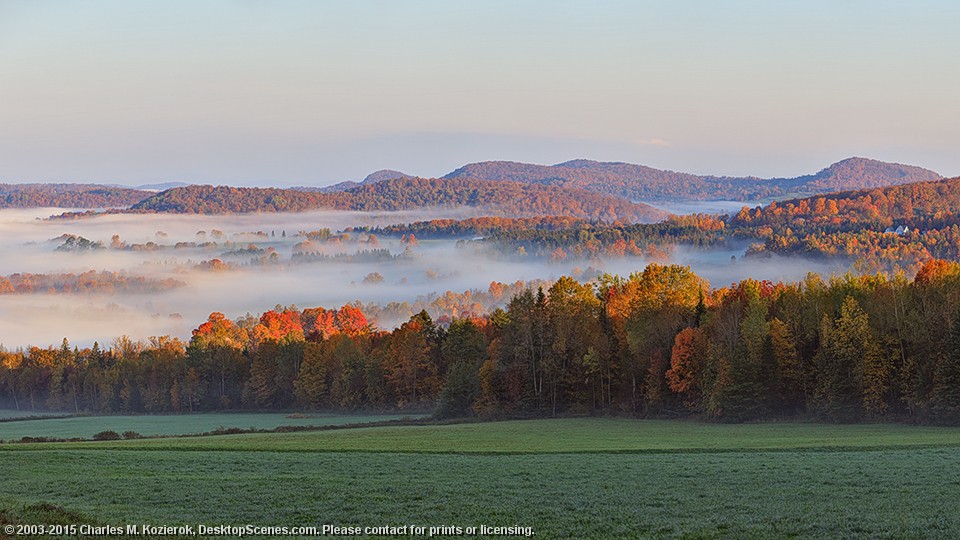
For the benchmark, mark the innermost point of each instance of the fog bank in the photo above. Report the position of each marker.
(252, 279)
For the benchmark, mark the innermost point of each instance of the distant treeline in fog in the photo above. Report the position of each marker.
(657, 343)
(84, 282)
(561, 238)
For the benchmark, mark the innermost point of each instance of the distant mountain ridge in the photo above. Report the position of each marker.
(644, 183)
(639, 182)
(385, 174)
(372, 178)
(162, 186)
(614, 179)
(861, 173)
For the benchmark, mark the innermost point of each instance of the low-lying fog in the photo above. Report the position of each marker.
(702, 207)
(249, 286)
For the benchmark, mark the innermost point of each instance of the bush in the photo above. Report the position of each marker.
(106, 436)
(132, 435)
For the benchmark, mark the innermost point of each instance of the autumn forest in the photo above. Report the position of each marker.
(499, 291)
(658, 342)
(475, 270)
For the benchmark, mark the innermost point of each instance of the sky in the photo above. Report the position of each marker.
(311, 93)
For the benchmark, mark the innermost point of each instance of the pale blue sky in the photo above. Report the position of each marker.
(311, 93)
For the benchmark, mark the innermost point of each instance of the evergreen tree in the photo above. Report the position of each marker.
(853, 376)
(946, 389)
(460, 391)
(311, 383)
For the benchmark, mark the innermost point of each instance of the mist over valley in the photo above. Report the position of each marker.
(266, 261)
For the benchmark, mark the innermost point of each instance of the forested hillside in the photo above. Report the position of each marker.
(622, 180)
(860, 173)
(506, 198)
(862, 225)
(638, 182)
(920, 204)
(68, 196)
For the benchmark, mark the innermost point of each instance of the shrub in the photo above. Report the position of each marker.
(40, 439)
(132, 435)
(106, 436)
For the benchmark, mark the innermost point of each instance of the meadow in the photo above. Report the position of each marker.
(570, 478)
(153, 425)
(10, 414)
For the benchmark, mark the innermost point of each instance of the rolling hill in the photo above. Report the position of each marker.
(583, 184)
(68, 196)
(895, 228)
(639, 182)
(920, 204)
(861, 173)
(497, 197)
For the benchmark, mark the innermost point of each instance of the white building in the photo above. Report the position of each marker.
(899, 231)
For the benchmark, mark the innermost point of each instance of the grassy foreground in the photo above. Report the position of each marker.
(583, 478)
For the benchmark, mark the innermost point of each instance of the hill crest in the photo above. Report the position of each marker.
(641, 182)
(504, 198)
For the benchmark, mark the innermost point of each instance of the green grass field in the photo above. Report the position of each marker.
(574, 435)
(86, 426)
(572, 478)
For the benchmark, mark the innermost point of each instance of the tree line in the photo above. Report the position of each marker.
(659, 342)
(562, 238)
(84, 282)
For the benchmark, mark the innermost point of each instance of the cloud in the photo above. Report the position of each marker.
(654, 141)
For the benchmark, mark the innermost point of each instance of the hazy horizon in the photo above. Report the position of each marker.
(309, 93)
